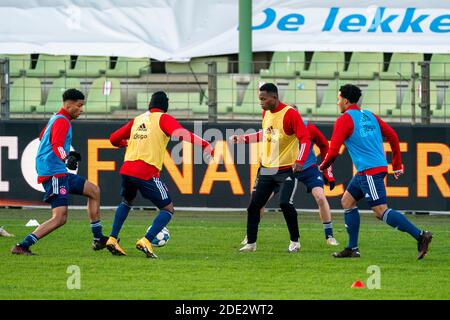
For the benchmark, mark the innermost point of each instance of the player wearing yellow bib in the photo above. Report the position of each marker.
(146, 138)
(285, 148)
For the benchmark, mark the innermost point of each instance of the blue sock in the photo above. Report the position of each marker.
(328, 229)
(398, 221)
(29, 241)
(352, 220)
(161, 220)
(121, 214)
(96, 227)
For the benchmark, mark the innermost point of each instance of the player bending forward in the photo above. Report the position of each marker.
(146, 138)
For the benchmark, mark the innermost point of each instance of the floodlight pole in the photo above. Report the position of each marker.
(245, 37)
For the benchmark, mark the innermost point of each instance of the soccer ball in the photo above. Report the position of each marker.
(161, 238)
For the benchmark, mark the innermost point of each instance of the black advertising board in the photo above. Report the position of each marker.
(193, 183)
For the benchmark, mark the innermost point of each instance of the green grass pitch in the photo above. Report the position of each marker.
(201, 260)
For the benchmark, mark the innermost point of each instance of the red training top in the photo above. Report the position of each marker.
(343, 129)
(292, 124)
(315, 135)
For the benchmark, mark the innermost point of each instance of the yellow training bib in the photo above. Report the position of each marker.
(147, 141)
(279, 149)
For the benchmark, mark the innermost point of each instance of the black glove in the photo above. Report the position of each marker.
(329, 182)
(72, 160)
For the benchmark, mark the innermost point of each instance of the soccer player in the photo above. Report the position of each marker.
(311, 177)
(285, 148)
(362, 133)
(146, 138)
(52, 160)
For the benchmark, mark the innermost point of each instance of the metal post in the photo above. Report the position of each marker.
(425, 84)
(212, 92)
(4, 87)
(245, 37)
(413, 93)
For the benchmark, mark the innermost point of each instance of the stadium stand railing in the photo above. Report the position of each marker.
(120, 87)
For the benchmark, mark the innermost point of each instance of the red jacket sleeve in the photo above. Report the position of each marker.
(58, 135)
(318, 138)
(252, 137)
(293, 124)
(343, 128)
(172, 127)
(119, 137)
(392, 138)
(322, 142)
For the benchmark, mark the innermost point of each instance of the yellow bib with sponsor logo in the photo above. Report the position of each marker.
(147, 141)
(278, 149)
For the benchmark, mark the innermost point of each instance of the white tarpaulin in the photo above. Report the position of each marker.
(181, 29)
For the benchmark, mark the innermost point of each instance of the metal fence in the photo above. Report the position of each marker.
(211, 89)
